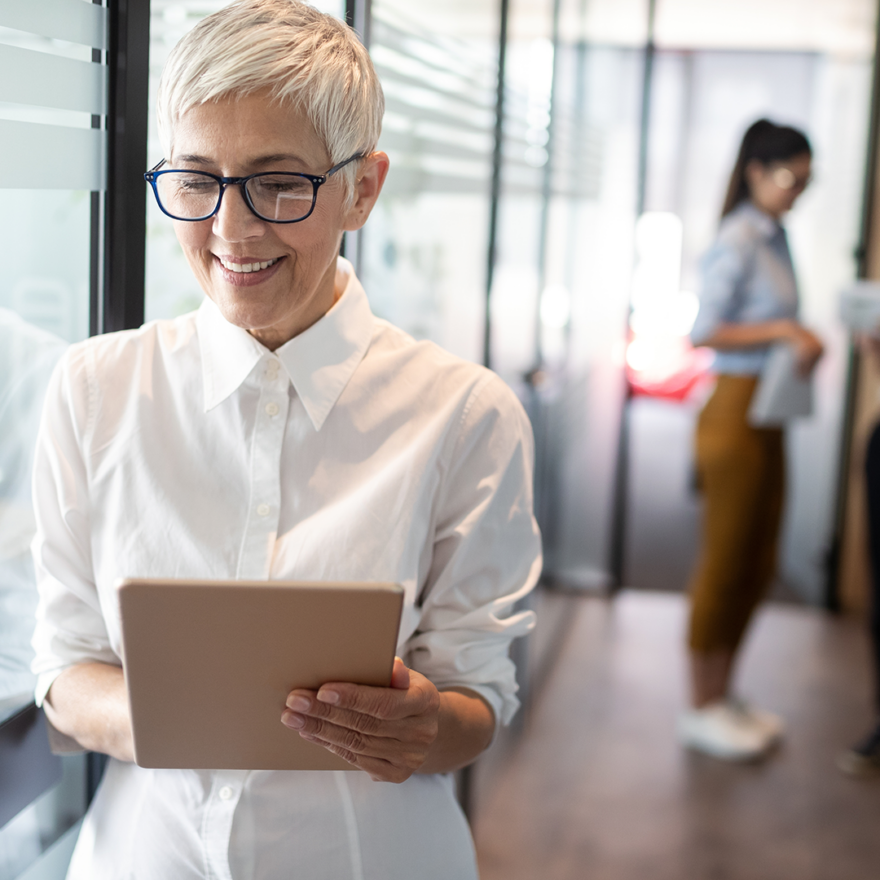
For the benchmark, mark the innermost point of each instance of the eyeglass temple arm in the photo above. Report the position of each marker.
(342, 164)
(156, 167)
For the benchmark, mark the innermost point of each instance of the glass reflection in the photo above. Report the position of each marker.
(27, 356)
(43, 307)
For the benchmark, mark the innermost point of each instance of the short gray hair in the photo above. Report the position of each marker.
(299, 54)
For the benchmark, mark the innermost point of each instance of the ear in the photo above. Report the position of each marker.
(370, 179)
(754, 171)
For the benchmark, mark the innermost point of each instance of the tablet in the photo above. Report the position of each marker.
(860, 306)
(209, 664)
(782, 393)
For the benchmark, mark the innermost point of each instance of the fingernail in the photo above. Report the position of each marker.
(298, 704)
(291, 719)
(328, 696)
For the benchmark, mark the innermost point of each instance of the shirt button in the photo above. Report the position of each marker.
(272, 409)
(225, 793)
(263, 510)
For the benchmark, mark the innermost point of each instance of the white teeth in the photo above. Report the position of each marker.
(247, 267)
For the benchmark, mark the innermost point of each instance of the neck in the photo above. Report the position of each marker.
(775, 215)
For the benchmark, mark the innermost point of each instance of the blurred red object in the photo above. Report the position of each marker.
(666, 367)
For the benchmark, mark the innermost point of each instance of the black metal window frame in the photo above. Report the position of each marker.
(119, 219)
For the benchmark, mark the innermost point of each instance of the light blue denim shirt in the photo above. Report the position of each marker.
(747, 277)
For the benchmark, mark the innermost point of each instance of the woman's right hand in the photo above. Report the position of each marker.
(808, 348)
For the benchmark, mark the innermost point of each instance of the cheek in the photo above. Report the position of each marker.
(788, 198)
(316, 236)
(192, 236)
(306, 244)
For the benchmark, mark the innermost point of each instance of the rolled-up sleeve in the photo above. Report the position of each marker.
(486, 555)
(723, 270)
(70, 628)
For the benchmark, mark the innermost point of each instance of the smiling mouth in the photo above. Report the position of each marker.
(246, 268)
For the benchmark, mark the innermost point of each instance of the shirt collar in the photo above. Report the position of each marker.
(229, 353)
(319, 361)
(764, 223)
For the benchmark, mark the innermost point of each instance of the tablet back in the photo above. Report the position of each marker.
(209, 665)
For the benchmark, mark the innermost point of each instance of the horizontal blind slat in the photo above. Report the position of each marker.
(50, 157)
(28, 77)
(416, 114)
(406, 181)
(472, 99)
(75, 21)
(458, 60)
(409, 143)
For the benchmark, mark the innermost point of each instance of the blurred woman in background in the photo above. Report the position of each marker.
(748, 304)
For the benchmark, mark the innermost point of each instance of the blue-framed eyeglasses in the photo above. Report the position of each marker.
(274, 196)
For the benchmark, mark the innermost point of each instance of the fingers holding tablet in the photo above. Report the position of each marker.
(387, 732)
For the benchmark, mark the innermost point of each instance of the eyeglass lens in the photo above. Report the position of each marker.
(785, 178)
(190, 196)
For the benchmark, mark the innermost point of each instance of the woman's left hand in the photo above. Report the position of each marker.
(386, 732)
(808, 349)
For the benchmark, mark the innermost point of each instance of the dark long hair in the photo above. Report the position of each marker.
(766, 142)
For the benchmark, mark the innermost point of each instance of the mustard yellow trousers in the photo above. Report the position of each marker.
(741, 473)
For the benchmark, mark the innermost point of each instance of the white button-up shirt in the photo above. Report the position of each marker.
(188, 449)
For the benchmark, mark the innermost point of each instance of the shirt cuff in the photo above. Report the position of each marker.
(44, 682)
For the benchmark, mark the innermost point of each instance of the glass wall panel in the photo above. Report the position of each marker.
(423, 253)
(44, 305)
(51, 104)
(522, 216)
(580, 295)
(44, 301)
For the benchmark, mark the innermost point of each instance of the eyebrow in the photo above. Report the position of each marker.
(259, 162)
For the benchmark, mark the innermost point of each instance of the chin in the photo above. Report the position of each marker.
(249, 316)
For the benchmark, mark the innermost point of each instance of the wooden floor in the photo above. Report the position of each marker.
(597, 787)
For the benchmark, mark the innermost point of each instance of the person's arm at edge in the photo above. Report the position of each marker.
(808, 347)
(79, 685)
(88, 702)
(733, 335)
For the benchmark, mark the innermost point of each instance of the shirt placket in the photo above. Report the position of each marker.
(261, 528)
(226, 789)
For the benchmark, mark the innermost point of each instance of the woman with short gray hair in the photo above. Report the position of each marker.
(282, 432)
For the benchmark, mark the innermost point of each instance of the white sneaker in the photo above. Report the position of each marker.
(771, 725)
(721, 732)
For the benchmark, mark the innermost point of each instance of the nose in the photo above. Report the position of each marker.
(235, 221)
